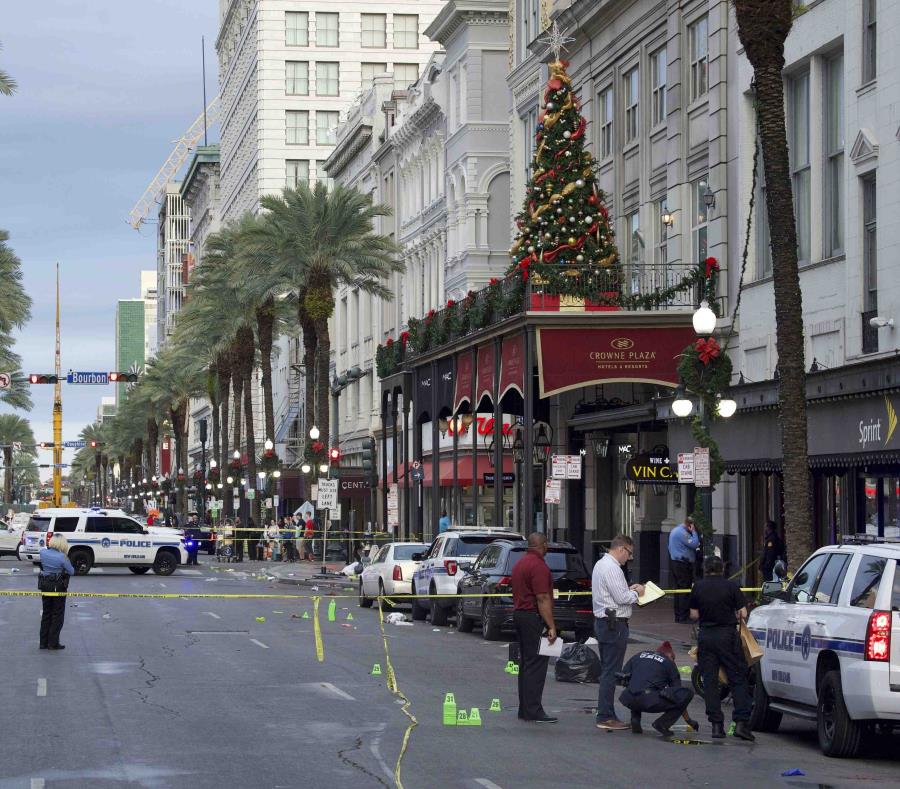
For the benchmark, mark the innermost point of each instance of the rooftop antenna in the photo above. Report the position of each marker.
(203, 59)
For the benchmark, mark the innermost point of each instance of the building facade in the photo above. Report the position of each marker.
(130, 340)
(172, 248)
(149, 297)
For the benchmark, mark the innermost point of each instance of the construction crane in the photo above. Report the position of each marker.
(173, 164)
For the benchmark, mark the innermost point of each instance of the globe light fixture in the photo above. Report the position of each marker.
(229, 480)
(219, 486)
(261, 474)
(314, 433)
(323, 468)
(213, 464)
(268, 446)
(208, 486)
(144, 480)
(277, 473)
(236, 454)
(306, 468)
(725, 407)
(704, 320)
(681, 406)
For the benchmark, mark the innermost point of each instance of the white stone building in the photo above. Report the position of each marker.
(149, 295)
(172, 247)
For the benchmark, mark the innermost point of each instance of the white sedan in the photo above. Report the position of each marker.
(9, 540)
(390, 572)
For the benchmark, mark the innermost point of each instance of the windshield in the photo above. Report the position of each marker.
(407, 551)
(560, 562)
(38, 524)
(472, 546)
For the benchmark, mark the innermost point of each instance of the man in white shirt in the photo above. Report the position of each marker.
(612, 602)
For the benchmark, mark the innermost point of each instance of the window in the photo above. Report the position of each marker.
(296, 78)
(829, 588)
(296, 28)
(97, 525)
(369, 70)
(531, 25)
(65, 525)
(488, 558)
(606, 123)
(296, 172)
(868, 577)
(761, 216)
(327, 79)
(326, 29)
(834, 150)
(801, 589)
(870, 264)
(297, 127)
(798, 140)
(381, 555)
(125, 526)
(699, 52)
(633, 247)
(322, 174)
(699, 219)
(895, 594)
(405, 552)
(870, 62)
(326, 127)
(529, 129)
(374, 28)
(661, 252)
(658, 86)
(405, 74)
(406, 31)
(632, 95)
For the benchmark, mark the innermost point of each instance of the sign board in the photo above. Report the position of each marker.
(326, 501)
(335, 512)
(509, 477)
(268, 503)
(5, 380)
(215, 504)
(417, 474)
(328, 486)
(79, 444)
(650, 468)
(701, 467)
(393, 507)
(565, 466)
(90, 379)
(553, 491)
(250, 494)
(17, 446)
(275, 501)
(685, 467)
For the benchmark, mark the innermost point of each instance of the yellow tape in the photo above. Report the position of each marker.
(317, 629)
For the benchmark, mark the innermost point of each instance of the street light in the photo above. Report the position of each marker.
(681, 406)
(725, 407)
(268, 445)
(213, 464)
(704, 320)
(314, 433)
(323, 468)
(229, 480)
(306, 468)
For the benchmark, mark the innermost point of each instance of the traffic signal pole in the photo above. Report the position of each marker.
(57, 413)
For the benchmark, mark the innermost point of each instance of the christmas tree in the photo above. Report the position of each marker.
(564, 222)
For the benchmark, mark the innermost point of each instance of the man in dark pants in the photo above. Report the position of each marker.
(654, 685)
(532, 587)
(719, 604)
(612, 599)
(683, 544)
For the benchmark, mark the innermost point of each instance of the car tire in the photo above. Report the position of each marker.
(139, 570)
(439, 615)
(490, 628)
(697, 682)
(364, 602)
(82, 561)
(763, 717)
(839, 735)
(464, 624)
(418, 613)
(165, 563)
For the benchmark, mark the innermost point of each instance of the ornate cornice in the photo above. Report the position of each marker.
(349, 147)
(457, 13)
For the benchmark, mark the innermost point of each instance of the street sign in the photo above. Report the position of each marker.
(335, 512)
(328, 485)
(5, 380)
(553, 491)
(17, 446)
(250, 494)
(565, 466)
(327, 493)
(215, 504)
(685, 467)
(417, 474)
(75, 444)
(60, 465)
(701, 467)
(91, 379)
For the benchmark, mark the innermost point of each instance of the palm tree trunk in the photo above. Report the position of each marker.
(7, 474)
(265, 331)
(309, 361)
(237, 384)
(763, 26)
(152, 444)
(137, 459)
(223, 373)
(248, 352)
(178, 415)
(323, 365)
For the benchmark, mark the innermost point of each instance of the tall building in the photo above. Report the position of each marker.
(200, 191)
(149, 295)
(172, 250)
(106, 409)
(130, 340)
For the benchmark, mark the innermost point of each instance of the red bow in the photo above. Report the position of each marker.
(404, 337)
(317, 446)
(707, 350)
(711, 265)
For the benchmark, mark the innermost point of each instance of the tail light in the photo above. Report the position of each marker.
(398, 573)
(503, 584)
(451, 566)
(878, 636)
(48, 538)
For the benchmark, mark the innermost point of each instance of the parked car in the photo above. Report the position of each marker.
(390, 571)
(10, 540)
(491, 573)
(438, 572)
(831, 645)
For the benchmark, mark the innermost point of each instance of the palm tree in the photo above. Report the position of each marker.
(15, 311)
(7, 84)
(320, 240)
(14, 430)
(763, 27)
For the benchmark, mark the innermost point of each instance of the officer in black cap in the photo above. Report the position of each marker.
(654, 685)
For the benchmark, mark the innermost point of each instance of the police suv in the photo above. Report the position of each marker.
(437, 573)
(831, 645)
(105, 537)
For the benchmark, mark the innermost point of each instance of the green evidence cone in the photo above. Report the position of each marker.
(731, 730)
(461, 718)
(260, 619)
(332, 606)
(474, 717)
(349, 617)
(515, 670)
(495, 705)
(510, 665)
(305, 615)
(449, 710)
(376, 670)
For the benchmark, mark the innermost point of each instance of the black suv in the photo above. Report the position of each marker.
(492, 574)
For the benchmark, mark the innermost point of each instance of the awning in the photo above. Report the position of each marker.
(512, 365)
(464, 470)
(463, 382)
(485, 386)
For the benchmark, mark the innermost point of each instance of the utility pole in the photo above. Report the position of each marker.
(57, 414)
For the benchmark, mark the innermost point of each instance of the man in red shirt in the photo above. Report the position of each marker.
(532, 586)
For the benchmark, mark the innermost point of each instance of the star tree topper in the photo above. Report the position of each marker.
(556, 40)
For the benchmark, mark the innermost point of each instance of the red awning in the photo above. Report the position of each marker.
(463, 472)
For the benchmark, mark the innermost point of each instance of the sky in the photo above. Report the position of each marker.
(105, 89)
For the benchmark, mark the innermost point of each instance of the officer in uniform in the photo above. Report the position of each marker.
(654, 685)
(718, 603)
(192, 534)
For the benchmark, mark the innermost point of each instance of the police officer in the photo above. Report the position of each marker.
(192, 535)
(718, 603)
(654, 685)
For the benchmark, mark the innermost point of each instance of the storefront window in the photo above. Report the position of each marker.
(881, 496)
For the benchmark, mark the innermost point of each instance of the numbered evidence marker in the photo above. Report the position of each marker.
(449, 710)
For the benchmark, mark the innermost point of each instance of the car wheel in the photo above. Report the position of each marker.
(165, 563)
(439, 614)
(463, 623)
(82, 561)
(139, 570)
(490, 628)
(364, 602)
(697, 682)
(418, 613)
(763, 717)
(839, 735)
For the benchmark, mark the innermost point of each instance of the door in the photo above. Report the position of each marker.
(101, 539)
(480, 577)
(895, 629)
(134, 545)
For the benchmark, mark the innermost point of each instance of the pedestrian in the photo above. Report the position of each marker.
(719, 605)
(253, 539)
(297, 528)
(287, 541)
(612, 600)
(532, 588)
(654, 685)
(683, 544)
(443, 521)
(238, 539)
(273, 539)
(309, 534)
(773, 550)
(192, 535)
(56, 569)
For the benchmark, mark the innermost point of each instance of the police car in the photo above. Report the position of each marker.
(437, 574)
(831, 645)
(105, 537)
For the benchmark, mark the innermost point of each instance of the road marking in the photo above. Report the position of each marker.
(259, 643)
(190, 572)
(210, 613)
(42, 686)
(37, 783)
(486, 783)
(162, 584)
(337, 691)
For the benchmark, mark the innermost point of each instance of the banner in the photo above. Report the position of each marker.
(445, 385)
(463, 383)
(485, 373)
(512, 365)
(424, 384)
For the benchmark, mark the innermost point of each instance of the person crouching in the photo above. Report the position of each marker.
(654, 685)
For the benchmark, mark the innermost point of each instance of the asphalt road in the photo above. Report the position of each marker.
(198, 693)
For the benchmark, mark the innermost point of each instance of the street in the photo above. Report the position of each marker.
(198, 693)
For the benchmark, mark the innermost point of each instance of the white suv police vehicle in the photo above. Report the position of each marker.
(437, 574)
(831, 645)
(105, 537)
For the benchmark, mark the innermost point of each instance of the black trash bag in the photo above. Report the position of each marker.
(578, 663)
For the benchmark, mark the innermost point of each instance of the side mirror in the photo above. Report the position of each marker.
(772, 590)
(417, 557)
(145, 531)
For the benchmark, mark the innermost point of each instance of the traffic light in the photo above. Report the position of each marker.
(46, 445)
(92, 444)
(368, 461)
(42, 378)
(128, 378)
(334, 455)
